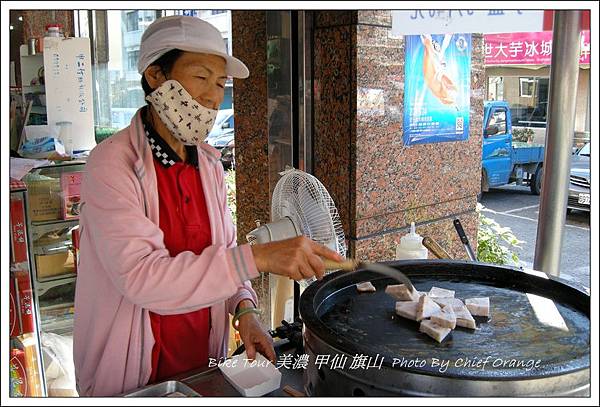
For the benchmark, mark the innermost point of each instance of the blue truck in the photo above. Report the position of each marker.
(505, 161)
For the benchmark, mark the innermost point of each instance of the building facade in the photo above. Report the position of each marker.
(517, 70)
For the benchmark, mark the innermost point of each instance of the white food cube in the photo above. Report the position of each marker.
(434, 330)
(455, 303)
(426, 308)
(407, 309)
(464, 318)
(478, 306)
(366, 287)
(402, 293)
(436, 292)
(446, 318)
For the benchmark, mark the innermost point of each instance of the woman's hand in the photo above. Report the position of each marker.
(297, 258)
(256, 338)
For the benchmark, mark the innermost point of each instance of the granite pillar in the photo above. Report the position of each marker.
(35, 21)
(249, 43)
(379, 184)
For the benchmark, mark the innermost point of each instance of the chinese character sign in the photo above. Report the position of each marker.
(527, 48)
(69, 90)
(437, 88)
(17, 223)
(80, 74)
(411, 22)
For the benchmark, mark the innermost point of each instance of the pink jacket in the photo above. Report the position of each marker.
(125, 271)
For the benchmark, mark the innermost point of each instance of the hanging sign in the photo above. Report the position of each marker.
(528, 48)
(410, 22)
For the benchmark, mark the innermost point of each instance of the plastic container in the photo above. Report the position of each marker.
(251, 378)
(54, 30)
(66, 136)
(411, 246)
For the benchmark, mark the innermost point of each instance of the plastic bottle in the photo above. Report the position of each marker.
(54, 30)
(411, 246)
(66, 136)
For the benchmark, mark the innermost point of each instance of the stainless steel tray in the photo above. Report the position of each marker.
(171, 388)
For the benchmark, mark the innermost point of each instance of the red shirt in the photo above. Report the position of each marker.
(181, 341)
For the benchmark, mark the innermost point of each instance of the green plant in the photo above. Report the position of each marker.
(102, 133)
(230, 182)
(525, 135)
(491, 241)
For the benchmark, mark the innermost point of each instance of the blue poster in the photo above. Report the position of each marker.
(437, 88)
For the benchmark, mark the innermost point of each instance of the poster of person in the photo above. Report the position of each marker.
(437, 86)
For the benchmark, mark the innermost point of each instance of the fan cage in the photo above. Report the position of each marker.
(305, 200)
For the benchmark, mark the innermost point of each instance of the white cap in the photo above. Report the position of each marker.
(187, 34)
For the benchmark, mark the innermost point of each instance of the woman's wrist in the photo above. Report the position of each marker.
(258, 258)
(243, 314)
(244, 304)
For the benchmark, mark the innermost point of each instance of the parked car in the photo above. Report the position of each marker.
(228, 152)
(221, 137)
(579, 187)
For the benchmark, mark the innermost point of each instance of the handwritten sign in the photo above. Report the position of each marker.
(69, 95)
(410, 22)
(80, 73)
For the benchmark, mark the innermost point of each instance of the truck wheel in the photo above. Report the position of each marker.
(536, 181)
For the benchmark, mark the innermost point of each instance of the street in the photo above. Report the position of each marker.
(515, 207)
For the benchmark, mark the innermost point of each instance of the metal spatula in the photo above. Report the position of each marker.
(350, 265)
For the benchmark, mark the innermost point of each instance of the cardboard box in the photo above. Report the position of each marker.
(44, 199)
(70, 184)
(50, 265)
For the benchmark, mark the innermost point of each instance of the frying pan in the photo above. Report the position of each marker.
(533, 318)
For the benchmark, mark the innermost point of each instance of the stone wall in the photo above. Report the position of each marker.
(379, 184)
(251, 134)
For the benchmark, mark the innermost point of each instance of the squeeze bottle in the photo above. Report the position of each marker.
(411, 246)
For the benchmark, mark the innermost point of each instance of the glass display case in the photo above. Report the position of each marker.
(53, 221)
(26, 373)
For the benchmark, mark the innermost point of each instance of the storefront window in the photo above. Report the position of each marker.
(527, 98)
(526, 88)
(116, 37)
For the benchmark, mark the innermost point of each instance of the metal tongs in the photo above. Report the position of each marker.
(351, 265)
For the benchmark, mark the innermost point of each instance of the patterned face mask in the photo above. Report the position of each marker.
(186, 119)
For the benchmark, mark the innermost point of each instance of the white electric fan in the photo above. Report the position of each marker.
(300, 206)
